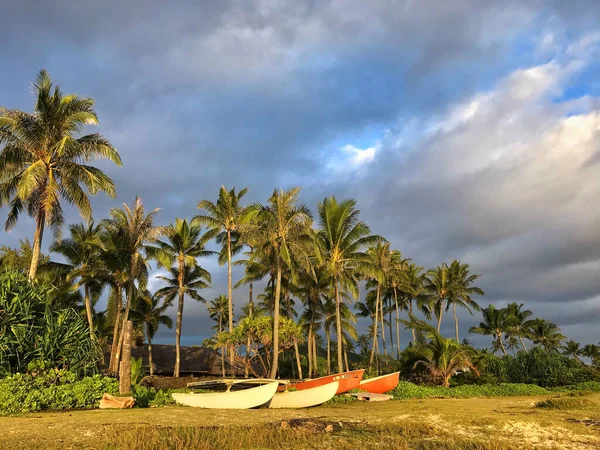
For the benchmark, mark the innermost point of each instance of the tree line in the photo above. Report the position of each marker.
(321, 261)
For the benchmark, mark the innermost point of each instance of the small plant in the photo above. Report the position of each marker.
(565, 403)
(137, 370)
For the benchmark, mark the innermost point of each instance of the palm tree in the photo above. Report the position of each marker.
(412, 285)
(363, 344)
(368, 309)
(496, 322)
(593, 352)
(442, 358)
(218, 311)
(134, 229)
(44, 158)
(283, 231)
(547, 334)
(439, 288)
(183, 245)
(521, 323)
(151, 311)
(342, 240)
(179, 284)
(572, 349)
(83, 252)
(225, 218)
(462, 290)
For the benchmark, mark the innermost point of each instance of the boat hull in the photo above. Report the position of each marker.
(380, 385)
(348, 381)
(305, 398)
(252, 397)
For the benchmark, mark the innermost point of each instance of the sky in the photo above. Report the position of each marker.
(465, 130)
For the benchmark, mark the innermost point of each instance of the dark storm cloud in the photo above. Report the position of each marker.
(258, 94)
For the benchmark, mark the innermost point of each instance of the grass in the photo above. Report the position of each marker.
(566, 403)
(448, 424)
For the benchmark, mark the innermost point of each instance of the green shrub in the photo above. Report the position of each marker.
(588, 386)
(407, 390)
(33, 329)
(54, 390)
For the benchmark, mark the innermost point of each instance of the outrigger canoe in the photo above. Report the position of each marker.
(380, 385)
(229, 394)
(305, 398)
(348, 381)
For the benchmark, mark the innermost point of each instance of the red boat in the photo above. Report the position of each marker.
(380, 385)
(348, 381)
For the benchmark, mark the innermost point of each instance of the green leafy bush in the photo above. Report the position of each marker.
(407, 390)
(54, 390)
(33, 329)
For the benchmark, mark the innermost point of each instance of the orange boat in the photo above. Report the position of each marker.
(380, 385)
(348, 381)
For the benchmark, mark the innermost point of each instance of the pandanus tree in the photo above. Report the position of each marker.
(283, 229)
(151, 312)
(134, 229)
(44, 158)
(188, 281)
(496, 322)
(225, 217)
(182, 245)
(83, 252)
(462, 291)
(342, 241)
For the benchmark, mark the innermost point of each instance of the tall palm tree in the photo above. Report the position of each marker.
(547, 334)
(179, 284)
(572, 349)
(44, 157)
(218, 311)
(83, 251)
(135, 230)
(396, 279)
(412, 285)
(363, 344)
(496, 322)
(225, 217)
(284, 231)
(462, 290)
(439, 288)
(521, 324)
(151, 311)
(184, 244)
(342, 241)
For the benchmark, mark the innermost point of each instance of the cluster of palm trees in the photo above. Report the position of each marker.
(44, 160)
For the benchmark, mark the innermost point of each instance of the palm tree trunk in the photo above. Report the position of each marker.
(37, 243)
(309, 349)
(338, 324)
(499, 337)
(124, 321)
(328, 352)
(390, 327)
(375, 319)
(439, 323)
(412, 330)
(250, 308)
(382, 323)
(88, 310)
(522, 343)
(230, 296)
(397, 325)
(315, 355)
(346, 359)
(291, 317)
(275, 364)
(112, 367)
(150, 361)
(223, 349)
(178, 334)
(455, 321)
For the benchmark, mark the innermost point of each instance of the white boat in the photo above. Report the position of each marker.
(231, 394)
(306, 397)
